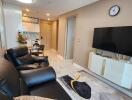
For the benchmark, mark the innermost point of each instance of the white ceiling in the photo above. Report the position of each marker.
(39, 8)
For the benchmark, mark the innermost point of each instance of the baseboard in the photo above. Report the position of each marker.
(79, 66)
(60, 57)
(76, 65)
(69, 60)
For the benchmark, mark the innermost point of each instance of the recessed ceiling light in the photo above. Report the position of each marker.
(25, 1)
(48, 18)
(24, 14)
(47, 14)
(27, 10)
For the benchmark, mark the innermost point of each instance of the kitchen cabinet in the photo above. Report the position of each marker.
(31, 27)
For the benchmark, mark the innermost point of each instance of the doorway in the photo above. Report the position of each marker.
(71, 25)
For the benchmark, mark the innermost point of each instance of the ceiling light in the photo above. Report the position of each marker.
(47, 14)
(48, 18)
(24, 14)
(25, 1)
(27, 10)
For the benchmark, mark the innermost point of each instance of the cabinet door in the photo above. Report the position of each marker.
(36, 28)
(31, 27)
(114, 71)
(127, 76)
(96, 63)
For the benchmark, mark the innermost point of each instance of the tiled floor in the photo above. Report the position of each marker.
(100, 90)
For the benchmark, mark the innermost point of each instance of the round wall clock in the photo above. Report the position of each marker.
(114, 10)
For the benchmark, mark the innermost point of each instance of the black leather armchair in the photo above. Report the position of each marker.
(22, 59)
(37, 82)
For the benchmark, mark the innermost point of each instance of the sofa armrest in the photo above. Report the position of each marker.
(38, 76)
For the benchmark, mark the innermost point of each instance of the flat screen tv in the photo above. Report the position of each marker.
(114, 39)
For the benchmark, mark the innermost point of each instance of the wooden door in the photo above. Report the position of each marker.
(46, 31)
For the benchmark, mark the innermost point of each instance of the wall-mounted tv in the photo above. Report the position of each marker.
(114, 39)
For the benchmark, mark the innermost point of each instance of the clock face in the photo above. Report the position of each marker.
(114, 10)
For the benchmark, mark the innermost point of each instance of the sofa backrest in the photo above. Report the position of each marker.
(9, 79)
(19, 56)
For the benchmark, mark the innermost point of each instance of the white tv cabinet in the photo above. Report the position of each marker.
(117, 71)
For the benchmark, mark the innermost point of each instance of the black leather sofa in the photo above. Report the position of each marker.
(37, 82)
(22, 59)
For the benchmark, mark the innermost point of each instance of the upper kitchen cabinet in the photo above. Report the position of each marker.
(30, 24)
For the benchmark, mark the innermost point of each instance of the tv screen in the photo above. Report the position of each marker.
(114, 39)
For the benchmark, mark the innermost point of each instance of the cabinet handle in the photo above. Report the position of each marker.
(103, 67)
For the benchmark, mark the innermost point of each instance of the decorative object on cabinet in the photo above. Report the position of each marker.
(21, 38)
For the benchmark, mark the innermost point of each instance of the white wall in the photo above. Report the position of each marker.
(13, 24)
(2, 28)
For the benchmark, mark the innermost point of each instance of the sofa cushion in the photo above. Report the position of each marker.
(38, 76)
(26, 59)
(23, 88)
(20, 56)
